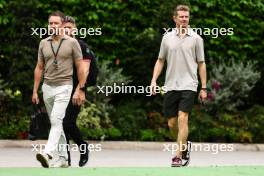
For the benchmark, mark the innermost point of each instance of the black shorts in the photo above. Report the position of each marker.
(175, 101)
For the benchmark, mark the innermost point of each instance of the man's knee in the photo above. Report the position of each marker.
(183, 118)
(172, 122)
(56, 122)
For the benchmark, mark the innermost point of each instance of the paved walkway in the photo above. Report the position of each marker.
(133, 154)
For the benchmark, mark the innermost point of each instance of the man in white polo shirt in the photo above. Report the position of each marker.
(183, 51)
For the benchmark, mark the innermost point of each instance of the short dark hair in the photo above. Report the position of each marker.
(69, 19)
(180, 8)
(59, 14)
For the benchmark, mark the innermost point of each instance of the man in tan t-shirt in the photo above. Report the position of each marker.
(183, 51)
(56, 56)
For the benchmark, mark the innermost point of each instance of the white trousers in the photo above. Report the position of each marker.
(56, 99)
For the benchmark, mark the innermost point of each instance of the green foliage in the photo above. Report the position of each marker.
(131, 35)
(113, 134)
(2, 92)
(157, 128)
(15, 128)
(95, 115)
(129, 118)
(255, 121)
(101, 134)
(8, 105)
(230, 84)
(147, 134)
(107, 76)
(131, 32)
(244, 126)
(92, 134)
(161, 134)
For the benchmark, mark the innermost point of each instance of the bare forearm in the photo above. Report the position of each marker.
(86, 68)
(202, 74)
(82, 75)
(83, 71)
(157, 69)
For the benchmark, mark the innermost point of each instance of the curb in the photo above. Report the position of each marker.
(133, 145)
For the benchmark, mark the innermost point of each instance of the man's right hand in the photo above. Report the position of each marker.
(35, 99)
(153, 86)
(78, 97)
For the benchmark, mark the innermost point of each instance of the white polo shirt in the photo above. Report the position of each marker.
(182, 56)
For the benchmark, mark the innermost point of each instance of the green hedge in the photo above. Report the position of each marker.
(131, 34)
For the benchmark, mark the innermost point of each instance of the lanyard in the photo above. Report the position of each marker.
(55, 54)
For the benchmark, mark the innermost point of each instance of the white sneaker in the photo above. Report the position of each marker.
(61, 162)
(43, 159)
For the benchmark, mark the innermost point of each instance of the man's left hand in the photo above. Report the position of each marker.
(78, 97)
(202, 95)
(82, 97)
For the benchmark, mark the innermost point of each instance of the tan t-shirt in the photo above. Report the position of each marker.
(60, 74)
(182, 56)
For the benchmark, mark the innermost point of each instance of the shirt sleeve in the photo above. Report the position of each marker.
(86, 52)
(163, 50)
(76, 50)
(199, 50)
(40, 52)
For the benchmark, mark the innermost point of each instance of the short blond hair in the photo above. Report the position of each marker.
(180, 8)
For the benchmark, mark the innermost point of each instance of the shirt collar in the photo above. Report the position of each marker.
(189, 32)
(63, 38)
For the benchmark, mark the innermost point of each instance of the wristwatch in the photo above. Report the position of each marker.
(82, 88)
(204, 88)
